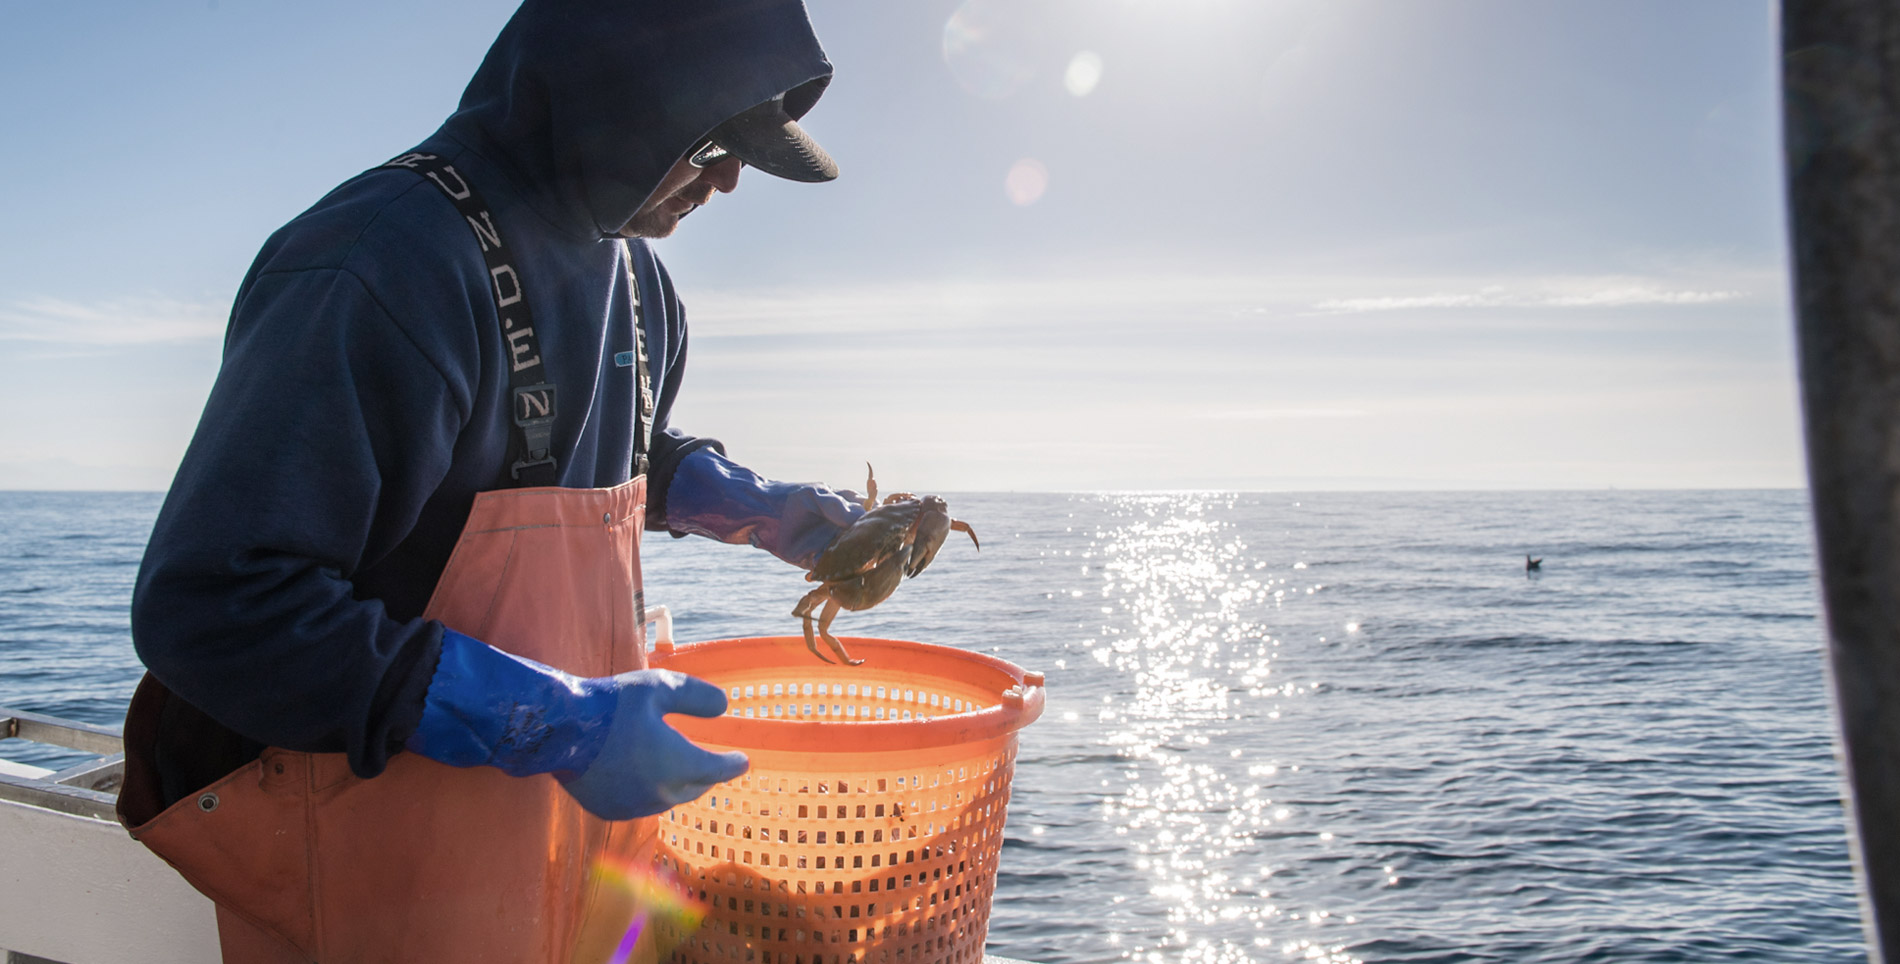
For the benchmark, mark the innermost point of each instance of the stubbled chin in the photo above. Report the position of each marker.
(661, 221)
(652, 224)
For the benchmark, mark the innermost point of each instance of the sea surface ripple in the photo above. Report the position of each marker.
(1323, 727)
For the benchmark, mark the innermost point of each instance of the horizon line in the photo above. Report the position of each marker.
(1192, 490)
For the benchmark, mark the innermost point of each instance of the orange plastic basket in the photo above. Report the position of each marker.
(869, 826)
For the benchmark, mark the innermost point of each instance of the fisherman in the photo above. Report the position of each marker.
(397, 708)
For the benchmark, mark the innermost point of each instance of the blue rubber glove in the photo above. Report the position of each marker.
(711, 495)
(604, 738)
(645, 766)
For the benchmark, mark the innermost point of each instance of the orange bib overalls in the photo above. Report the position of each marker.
(428, 862)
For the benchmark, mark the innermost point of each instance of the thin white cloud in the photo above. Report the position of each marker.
(1497, 296)
(1271, 414)
(122, 321)
(1070, 301)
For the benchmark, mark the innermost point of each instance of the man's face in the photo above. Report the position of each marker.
(684, 188)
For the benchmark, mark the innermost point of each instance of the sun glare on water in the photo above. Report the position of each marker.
(1183, 628)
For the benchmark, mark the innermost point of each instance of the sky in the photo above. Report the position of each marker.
(1077, 244)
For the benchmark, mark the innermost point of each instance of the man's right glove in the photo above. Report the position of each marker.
(604, 738)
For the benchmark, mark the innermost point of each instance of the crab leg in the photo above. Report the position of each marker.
(962, 526)
(803, 611)
(824, 629)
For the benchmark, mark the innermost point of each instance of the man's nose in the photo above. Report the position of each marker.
(724, 175)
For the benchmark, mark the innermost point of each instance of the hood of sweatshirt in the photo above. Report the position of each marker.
(588, 103)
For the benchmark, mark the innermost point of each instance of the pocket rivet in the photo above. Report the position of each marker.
(208, 802)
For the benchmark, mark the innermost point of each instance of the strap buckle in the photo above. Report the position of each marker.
(527, 465)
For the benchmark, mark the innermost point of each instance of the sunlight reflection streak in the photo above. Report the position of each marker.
(1181, 592)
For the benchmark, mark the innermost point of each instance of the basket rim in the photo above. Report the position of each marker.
(1017, 706)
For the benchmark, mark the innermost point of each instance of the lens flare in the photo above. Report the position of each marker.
(662, 914)
(1085, 71)
(984, 47)
(1026, 182)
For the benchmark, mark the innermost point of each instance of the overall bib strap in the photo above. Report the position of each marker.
(531, 398)
(643, 431)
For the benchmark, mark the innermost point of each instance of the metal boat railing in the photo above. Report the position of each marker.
(88, 789)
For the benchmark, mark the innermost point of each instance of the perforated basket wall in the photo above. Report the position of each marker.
(869, 826)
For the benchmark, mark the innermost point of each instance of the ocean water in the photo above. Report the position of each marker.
(1319, 727)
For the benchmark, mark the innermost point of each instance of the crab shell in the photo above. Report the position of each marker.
(899, 537)
(868, 588)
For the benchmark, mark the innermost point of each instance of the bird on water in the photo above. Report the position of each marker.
(1532, 565)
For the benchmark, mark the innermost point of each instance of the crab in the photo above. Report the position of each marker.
(864, 565)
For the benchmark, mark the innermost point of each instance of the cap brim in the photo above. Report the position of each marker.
(766, 137)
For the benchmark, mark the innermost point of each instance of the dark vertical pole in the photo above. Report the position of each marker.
(1841, 83)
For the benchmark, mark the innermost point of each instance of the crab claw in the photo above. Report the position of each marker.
(932, 526)
(928, 535)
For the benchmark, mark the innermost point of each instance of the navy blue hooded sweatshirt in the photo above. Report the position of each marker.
(362, 402)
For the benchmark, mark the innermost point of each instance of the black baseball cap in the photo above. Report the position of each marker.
(768, 137)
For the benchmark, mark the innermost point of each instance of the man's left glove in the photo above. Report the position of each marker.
(605, 738)
(711, 495)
